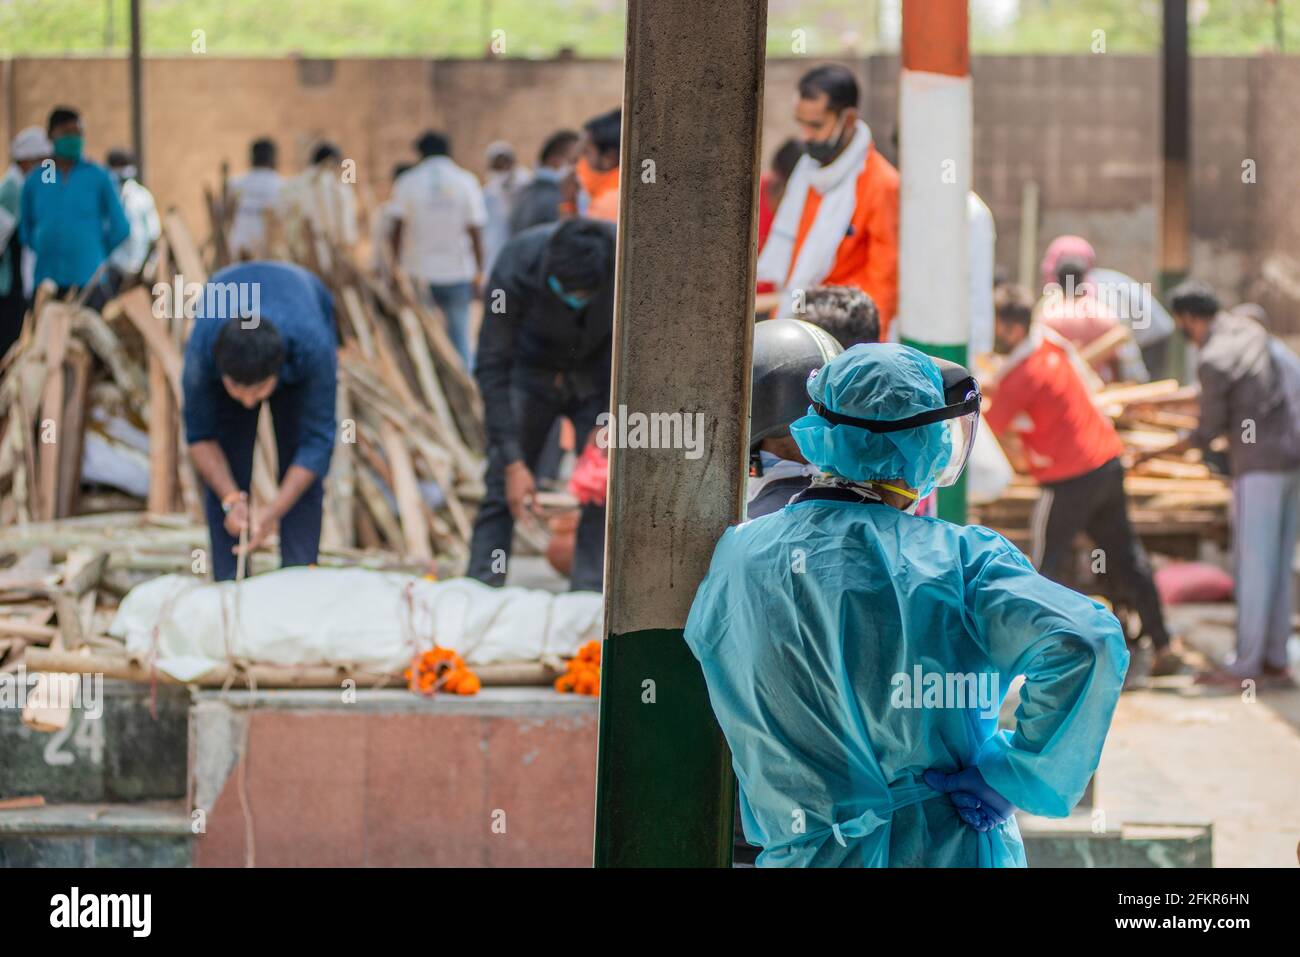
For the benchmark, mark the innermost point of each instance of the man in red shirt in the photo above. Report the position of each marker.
(1074, 453)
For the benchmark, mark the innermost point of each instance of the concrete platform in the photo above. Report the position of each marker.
(1077, 841)
(126, 754)
(153, 834)
(504, 778)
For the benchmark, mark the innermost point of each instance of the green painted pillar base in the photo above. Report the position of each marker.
(952, 500)
(665, 794)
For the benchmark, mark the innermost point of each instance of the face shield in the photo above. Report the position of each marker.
(960, 415)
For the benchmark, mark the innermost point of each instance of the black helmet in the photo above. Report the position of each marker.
(786, 351)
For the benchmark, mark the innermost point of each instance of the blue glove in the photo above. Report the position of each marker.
(977, 804)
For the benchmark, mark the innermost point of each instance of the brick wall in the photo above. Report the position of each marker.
(1085, 128)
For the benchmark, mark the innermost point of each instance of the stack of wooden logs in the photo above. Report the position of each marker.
(409, 414)
(60, 581)
(1175, 502)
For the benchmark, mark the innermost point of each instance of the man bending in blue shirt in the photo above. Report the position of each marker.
(263, 332)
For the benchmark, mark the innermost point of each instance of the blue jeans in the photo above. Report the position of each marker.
(237, 436)
(1265, 526)
(454, 301)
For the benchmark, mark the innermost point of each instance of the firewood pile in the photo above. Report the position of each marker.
(82, 384)
(62, 581)
(1172, 499)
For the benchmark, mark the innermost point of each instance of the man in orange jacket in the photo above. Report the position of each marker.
(837, 224)
(598, 169)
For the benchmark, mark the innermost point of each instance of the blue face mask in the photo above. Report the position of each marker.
(572, 300)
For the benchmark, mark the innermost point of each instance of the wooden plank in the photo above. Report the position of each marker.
(358, 321)
(1099, 351)
(368, 536)
(372, 497)
(22, 803)
(50, 424)
(23, 628)
(91, 328)
(69, 614)
(191, 498)
(73, 441)
(136, 306)
(1142, 392)
(82, 569)
(340, 481)
(442, 475)
(270, 676)
(410, 506)
(427, 375)
(25, 469)
(163, 449)
(184, 251)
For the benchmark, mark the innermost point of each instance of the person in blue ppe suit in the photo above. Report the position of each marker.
(842, 639)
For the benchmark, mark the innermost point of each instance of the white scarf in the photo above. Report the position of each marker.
(838, 186)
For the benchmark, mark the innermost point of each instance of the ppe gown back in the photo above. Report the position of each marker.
(804, 621)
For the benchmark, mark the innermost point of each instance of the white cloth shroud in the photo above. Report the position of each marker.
(371, 620)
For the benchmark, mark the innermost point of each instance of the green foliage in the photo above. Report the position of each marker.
(594, 28)
(424, 28)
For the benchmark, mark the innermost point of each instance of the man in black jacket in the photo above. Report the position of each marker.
(543, 352)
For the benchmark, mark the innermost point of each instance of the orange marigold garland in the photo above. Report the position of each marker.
(441, 669)
(583, 674)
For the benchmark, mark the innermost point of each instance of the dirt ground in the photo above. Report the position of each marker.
(1181, 753)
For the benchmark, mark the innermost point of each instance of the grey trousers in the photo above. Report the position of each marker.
(1266, 524)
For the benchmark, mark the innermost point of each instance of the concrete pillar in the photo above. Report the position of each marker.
(692, 116)
(1175, 220)
(935, 132)
(137, 89)
(1175, 178)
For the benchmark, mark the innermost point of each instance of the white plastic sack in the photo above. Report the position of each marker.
(118, 457)
(988, 472)
(373, 620)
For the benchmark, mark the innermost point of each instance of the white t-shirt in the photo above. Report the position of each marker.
(146, 228)
(983, 241)
(438, 202)
(255, 192)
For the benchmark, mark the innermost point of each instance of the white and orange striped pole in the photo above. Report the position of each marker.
(935, 132)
